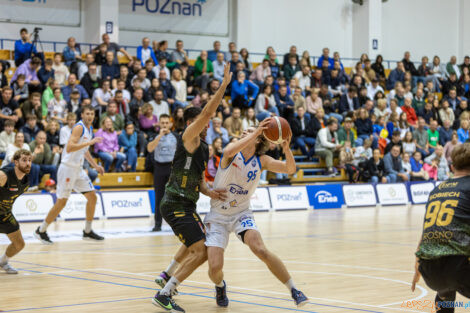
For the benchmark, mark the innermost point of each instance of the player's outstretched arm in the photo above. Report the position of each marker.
(203, 119)
(73, 144)
(286, 167)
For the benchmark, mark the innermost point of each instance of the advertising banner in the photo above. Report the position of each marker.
(289, 198)
(126, 204)
(420, 192)
(390, 194)
(32, 207)
(359, 195)
(76, 207)
(325, 196)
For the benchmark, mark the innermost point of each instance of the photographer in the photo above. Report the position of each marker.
(24, 47)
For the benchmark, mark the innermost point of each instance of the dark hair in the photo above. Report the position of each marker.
(21, 76)
(48, 62)
(331, 121)
(9, 123)
(164, 115)
(20, 153)
(396, 133)
(352, 89)
(36, 61)
(87, 107)
(191, 113)
(23, 30)
(31, 117)
(74, 92)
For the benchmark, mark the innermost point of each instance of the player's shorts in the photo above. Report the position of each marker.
(8, 224)
(71, 178)
(183, 219)
(447, 274)
(219, 227)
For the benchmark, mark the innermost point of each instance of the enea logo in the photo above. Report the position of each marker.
(289, 197)
(237, 190)
(170, 7)
(127, 203)
(325, 197)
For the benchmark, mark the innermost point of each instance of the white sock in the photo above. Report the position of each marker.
(87, 227)
(43, 227)
(170, 270)
(221, 284)
(290, 284)
(4, 259)
(170, 286)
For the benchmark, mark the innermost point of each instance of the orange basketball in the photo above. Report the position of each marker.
(278, 130)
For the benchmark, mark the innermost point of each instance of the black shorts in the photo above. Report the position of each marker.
(447, 275)
(183, 220)
(8, 224)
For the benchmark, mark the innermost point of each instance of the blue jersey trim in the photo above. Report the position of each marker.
(220, 163)
(246, 162)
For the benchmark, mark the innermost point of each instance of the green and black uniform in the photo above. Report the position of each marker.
(12, 189)
(444, 250)
(178, 206)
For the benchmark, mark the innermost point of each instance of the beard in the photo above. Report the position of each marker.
(24, 169)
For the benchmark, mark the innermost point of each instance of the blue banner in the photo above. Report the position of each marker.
(325, 196)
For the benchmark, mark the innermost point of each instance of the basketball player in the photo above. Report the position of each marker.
(178, 206)
(71, 175)
(444, 250)
(13, 182)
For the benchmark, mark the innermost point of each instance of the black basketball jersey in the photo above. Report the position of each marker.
(446, 229)
(12, 189)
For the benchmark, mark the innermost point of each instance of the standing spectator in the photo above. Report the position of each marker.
(463, 131)
(72, 54)
(108, 149)
(29, 69)
(179, 55)
(393, 166)
(250, 119)
(114, 48)
(265, 104)
(396, 75)
(46, 72)
(233, 124)
(260, 73)
(422, 138)
(61, 71)
(203, 70)
(163, 148)
(180, 87)
(42, 156)
(327, 144)
(23, 48)
(102, 96)
(128, 145)
(7, 137)
(145, 52)
(304, 132)
(110, 70)
(111, 112)
(73, 85)
(243, 91)
(91, 80)
(9, 108)
(375, 169)
(57, 107)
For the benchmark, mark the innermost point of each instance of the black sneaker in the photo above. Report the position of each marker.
(156, 228)
(92, 236)
(162, 279)
(299, 297)
(221, 295)
(167, 303)
(43, 237)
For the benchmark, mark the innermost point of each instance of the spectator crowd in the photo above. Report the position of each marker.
(377, 126)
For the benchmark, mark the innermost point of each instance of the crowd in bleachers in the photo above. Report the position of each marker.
(383, 126)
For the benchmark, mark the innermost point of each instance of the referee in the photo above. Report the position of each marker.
(163, 147)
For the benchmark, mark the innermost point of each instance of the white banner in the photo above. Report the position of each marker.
(48, 12)
(359, 195)
(420, 192)
(76, 207)
(203, 205)
(126, 204)
(32, 207)
(260, 200)
(390, 194)
(289, 198)
(202, 17)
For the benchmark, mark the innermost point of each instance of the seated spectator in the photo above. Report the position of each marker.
(148, 122)
(74, 104)
(66, 130)
(128, 145)
(243, 92)
(405, 163)
(61, 71)
(298, 99)
(46, 72)
(284, 103)
(23, 48)
(463, 131)
(260, 73)
(325, 56)
(463, 107)
(381, 109)
(141, 80)
(117, 119)
(417, 170)
(327, 144)
(393, 167)
(395, 141)
(203, 70)
(145, 52)
(42, 156)
(429, 113)
(219, 64)
(445, 132)
(304, 132)
(114, 47)
(179, 56)
(108, 149)
(168, 90)
(348, 101)
(433, 135)
(372, 88)
(234, 124)
(83, 66)
(396, 75)
(110, 70)
(159, 105)
(73, 85)
(3, 77)
(161, 66)
(53, 139)
(346, 160)
(303, 78)
(216, 130)
(374, 170)
(452, 98)
(437, 165)
(449, 146)
(411, 116)
(291, 67)
(30, 129)
(313, 102)
(452, 67)
(364, 129)
(102, 96)
(57, 107)
(362, 153)
(149, 66)
(418, 101)
(446, 113)
(409, 144)
(48, 95)
(421, 137)
(212, 166)
(7, 137)
(161, 50)
(265, 104)
(212, 54)
(91, 80)
(403, 125)
(249, 120)
(345, 133)
(72, 54)
(180, 88)
(29, 70)
(20, 89)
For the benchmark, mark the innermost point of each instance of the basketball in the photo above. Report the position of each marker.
(278, 130)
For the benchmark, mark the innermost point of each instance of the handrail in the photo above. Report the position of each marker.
(191, 52)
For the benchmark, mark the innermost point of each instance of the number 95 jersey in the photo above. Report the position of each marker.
(240, 179)
(446, 229)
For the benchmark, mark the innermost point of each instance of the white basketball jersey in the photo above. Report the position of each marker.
(240, 179)
(76, 158)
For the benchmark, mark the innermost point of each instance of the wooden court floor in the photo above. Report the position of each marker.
(352, 260)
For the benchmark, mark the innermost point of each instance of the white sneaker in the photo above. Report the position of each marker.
(8, 269)
(263, 182)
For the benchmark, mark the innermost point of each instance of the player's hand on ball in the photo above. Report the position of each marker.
(416, 276)
(100, 169)
(219, 194)
(286, 143)
(263, 125)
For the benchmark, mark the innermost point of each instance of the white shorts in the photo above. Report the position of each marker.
(219, 227)
(71, 178)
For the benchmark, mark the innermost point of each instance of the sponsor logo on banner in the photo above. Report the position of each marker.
(287, 198)
(389, 194)
(126, 204)
(359, 195)
(203, 205)
(325, 196)
(420, 192)
(76, 207)
(260, 200)
(32, 207)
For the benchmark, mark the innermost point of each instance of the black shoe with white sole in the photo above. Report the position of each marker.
(43, 237)
(92, 236)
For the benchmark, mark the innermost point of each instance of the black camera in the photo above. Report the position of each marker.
(37, 29)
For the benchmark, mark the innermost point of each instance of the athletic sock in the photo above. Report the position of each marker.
(170, 286)
(172, 267)
(221, 284)
(43, 227)
(290, 284)
(4, 259)
(87, 227)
